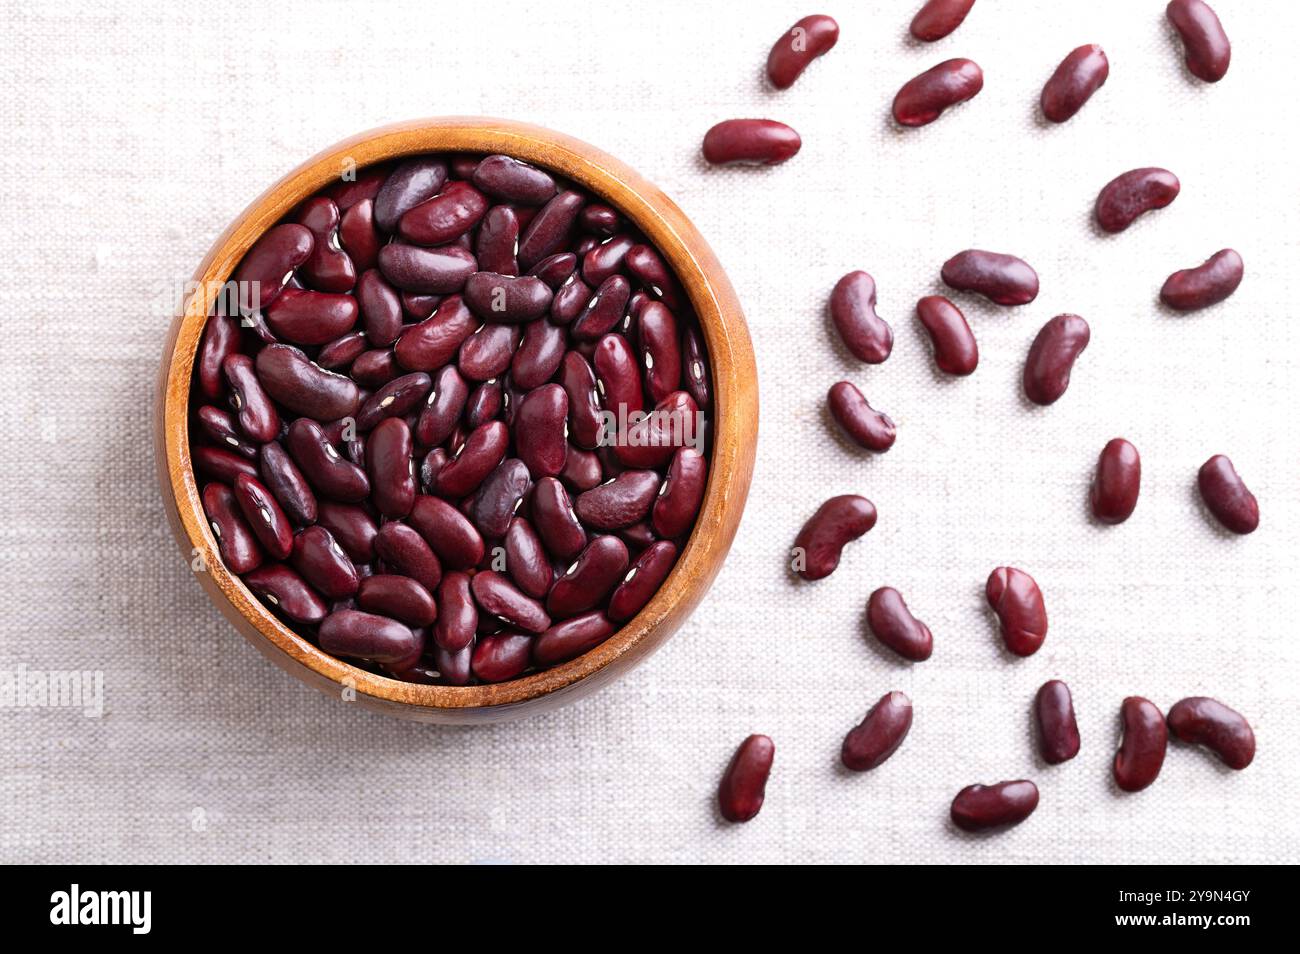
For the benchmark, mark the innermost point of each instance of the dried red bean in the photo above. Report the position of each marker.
(381, 308)
(433, 342)
(482, 451)
(751, 142)
(303, 387)
(1208, 722)
(257, 415)
(442, 408)
(411, 183)
(539, 354)
(288, 592)
(579, 383)
(590, 579)
(1142, 749)
(1051, 358)
(342, 351)
(955, 350)
(600, 219)
(358, 236)
(879, 735)
(604, 309)
(502, 599)
(237, 544)
(647, 267)
(457, 613)
(982, 807)
(682, 492)
(507, 178)
(606, 258)
(487, 353)
(462, 167)
(1080, 74)
(220, 426)
(265, 518)
(1115, 487)
(394, 399)
(618, 381)
(551, 227)
(373, 369)
(438, 271)
(1226, 495)
(328, 268)
(660, 350)
(1128, 196)
(526, 559)
(311, 317)
(696, 366)
(798, 46)
(937, 18)
(355, 187)
(571, 637)
(1206, 46)
(392, 473)
(328, 473)
(404, 550)
(270, 263)
(556, 270)
(540, 430)
(352, 528)
(865, 425)
(485, 403)
(924, 98)
(582, 470)
(220, 339)
(642, 581)
(419, 307)
(444, 217)
(498, 235)
(398, 597)
(555, 520)
(502, 656)
(619, 503)
(448, 531)
(505, 298)
(499, 496)
(1058, 733)
(1016, 599)
(837, 522)
(367, 636)
(853, 310)
(744, 784)
(893, 624)
(650, 442)
(453, 667)
(286, 481)
(1002, 279)
(222, 464)
(1206, 284)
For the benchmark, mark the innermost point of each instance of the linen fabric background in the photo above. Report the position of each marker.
(138, 130)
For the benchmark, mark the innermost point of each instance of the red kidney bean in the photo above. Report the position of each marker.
(257, 415)
(431, 466)
(375, 368)
(487, 353)
(220, 426)
(457, 613)
(744, 784)
(1142, 749)
(651, 441)
(751, 142)
(351, 527)
(638, 536)
(1114, 492)
(311, 317)
(356, 450)
(235, 541)
(982, 807)
(462, 167)
(342, 351)
(1226, 495)
(497, 238)
(551, 227)
(411, 183)
(1051, 358)
(866, 426)
(1081, 73)
(924, 98)
(540, 426)
(600, 219)
(448, 531)
(437, 271)
(220, 339)
(1058, 733)
(222, 464)
(507, 178)
(303, 387)
(937, 18)
(1208, 722)
(453, 667)
(367, 636)
(499, 496)
(496, 595)
(526, 559)
(893, 624)
(381, 308)
(555, 520)
(853, 310)
(539, 355)
(620, 502)
(570, 300)
(404, 550)
(1127, 196)
(286, 481)
(256, 323)
(837, 522)
(288, 592)
(648, 268)
(442, 408)
(398, 597)
(1016, 599)
(571, 637)
(1206, 46)
(579, 383)
(590, 579)
(433, 342)
(482, 451)
(503, 298)
(394, 399)
(419, 307)
(445, 217)
(1002, 279)
(329, 474)
(604, 309)
(618, 381)
(328, 268)
(358, 236)
(359, 187)
(502, 656)
(660, 349)
(1206, 284)
(642, 581)
(879, 735)
(682, 493)
(264, 516)
(484, 404)
(392, 473)
(955, 350)
(271, 263)
(798, 46)
(606, 259)
(555, 270)
(696, 365)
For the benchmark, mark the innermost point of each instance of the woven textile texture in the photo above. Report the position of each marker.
(138, 130)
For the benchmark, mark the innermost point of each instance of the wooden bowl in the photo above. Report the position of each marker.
(734, 422)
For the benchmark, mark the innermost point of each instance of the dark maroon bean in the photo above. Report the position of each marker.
(394, 399)
(448, 531)
(1115, 487)
(484, 404)
(604, 309)
(381, 308)
(502, 656)
(982, 807)
(1058, 733)
(1206, 284)
(445, 217)
(1208, 722)
(1018, 603)
(1051, 358)
(504, 298)
(487, 353)
(651, 440)
(303, 387)
(257, 415)
(581, 470)
(375, 368)
(398, 597)
(220, 339)
(549, 230)
(865, 425)
(660, 350)
(434, 342)
(356, 450)
(619, 503)
(482, 451)
(462, 167)
(264, 516)
(599, 219)
(937, 18)
(358, 236)
(328, 268)
(419, 307)
(354, 187)
(539, 354)
(606, 259)
(893, 624)
(642, 580)
(222, 464)
(220, 426)
(955, 351)
(540, 426)
(342, 351)
(590, 579)
(1206, 46)
(443, 407)
(437, 271)
(924, 98)
(648, 268)
(853, 310)
(681, 494)
(288, 592)
(404, 550)
(836, 523)
(496, 595)
(585, 246)
(879, 735)
(744, 784)
(1126, 197)
(392, 473)
(457, 613)
(367, 636)
(1226, 495)
(497, 238)
(555, 520)
(270, 264)
(696, 365)
(507, 178)
(570, 300)
(618, 381)
(423, 671)
(411, 183)
(328, 473)
(431, 466)
(579, 383)
(555, 270)
(351, 527)
(453, 667)
(571, 637)
(1080, 74)
(798, 46)
(1002, 279)
(498, 497)
(237, 544)
(526, 559)
(750, 142)
(1142, 748)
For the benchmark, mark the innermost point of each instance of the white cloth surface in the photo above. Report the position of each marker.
(138, 130)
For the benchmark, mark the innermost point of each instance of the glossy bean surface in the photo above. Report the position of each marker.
(891, 622)
(1018, 602)
(1117, 482)
(750, 142)
(853, 311)
(937, 18)
(1142, 747)
(1207, 284)
(1083, 71)
(744, 784)
(1132, 194)
(1051, 358)
(1058, 732)
(955, 350)
(862, 423)
(1200, 720)
(1207, 51)
(797, 47)
(1226, 495)
(924, 98)
(879, 734)
(984, 807)
(367, 636)
(1002, 279)
(837, 522)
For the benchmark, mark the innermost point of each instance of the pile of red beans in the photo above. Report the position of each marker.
(453, 427)
(1006, 280)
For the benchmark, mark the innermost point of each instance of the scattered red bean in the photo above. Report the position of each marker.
(983, 807)
(1051, 358)
(937, 18)
(1127, 196)
(860, 421)
(744, 784)
(1018, 603)
(1208, 722)
(1206, 284)
(1081, 73)
(853, 310)
(893, 624)
(1115, 487)
(808, 39)
(1058, 733)
(1002, 279)
(837, 522)
(1226, 495)
(955, 350)
(879, 735)
(1142, 749)
(1208, 51)
(924, 98)
(751, 141)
